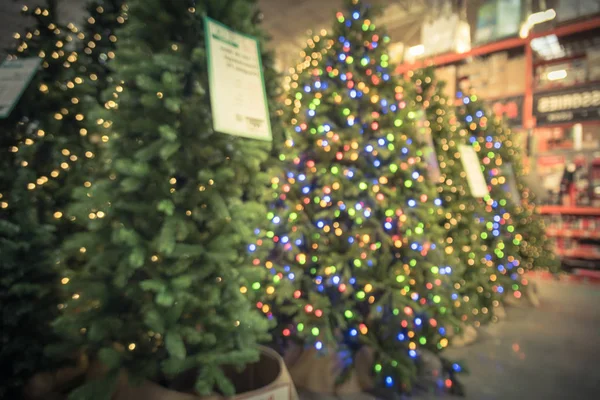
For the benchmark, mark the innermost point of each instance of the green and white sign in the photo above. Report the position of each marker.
(472, 167)
(15, 75)
(237, 85)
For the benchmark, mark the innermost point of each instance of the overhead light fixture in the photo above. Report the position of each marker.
(548, 47)
(534, 19)
(417, 50)
(556, 75)
(540, 17)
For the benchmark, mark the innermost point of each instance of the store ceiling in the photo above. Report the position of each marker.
(288, 22)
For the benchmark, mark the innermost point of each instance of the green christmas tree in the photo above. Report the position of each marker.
(499, 157)
(169, 220)
(26, 293)
(356, 259)
(535, 249)
(44, 153)
(463, 213)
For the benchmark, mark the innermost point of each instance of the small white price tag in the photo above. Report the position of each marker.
(472, 167)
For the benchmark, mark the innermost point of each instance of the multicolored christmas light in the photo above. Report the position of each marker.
(491, 139)
(501, 157)
(465, 216)
(355, 258)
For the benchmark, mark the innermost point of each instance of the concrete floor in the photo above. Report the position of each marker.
(546, 353)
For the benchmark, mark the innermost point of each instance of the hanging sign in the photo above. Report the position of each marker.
(471, 165)
(15, 75)
(237, 85)
(569, 105)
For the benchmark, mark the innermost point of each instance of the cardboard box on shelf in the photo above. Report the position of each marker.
(570, 9)
(514, 76)
(448, 75)
(497, 61)
(494, 91)
(593, 58)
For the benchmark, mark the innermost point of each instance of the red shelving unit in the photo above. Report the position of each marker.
(573, 233)
(575, 229)
(507, 44)
(583, 211)
(576, 253)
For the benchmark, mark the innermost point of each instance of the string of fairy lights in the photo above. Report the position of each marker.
(71, 113)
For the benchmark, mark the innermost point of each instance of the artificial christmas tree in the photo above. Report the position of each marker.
(169, 220)
(43, 153)
(356, 259)
(512, 219)
(26, 293)
(463, 213)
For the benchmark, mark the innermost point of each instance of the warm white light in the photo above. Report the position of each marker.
(542, 16)
(524, 31)
(534, 19)
(557, 75)
(416, 50)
